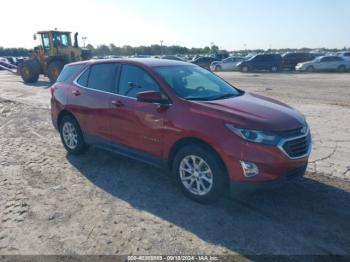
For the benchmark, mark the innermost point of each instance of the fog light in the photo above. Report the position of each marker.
(249, 169)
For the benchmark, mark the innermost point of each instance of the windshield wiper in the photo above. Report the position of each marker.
(197, 98)
(211, 97)
(223, 96)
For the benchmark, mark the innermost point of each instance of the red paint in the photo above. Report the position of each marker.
(154, 129)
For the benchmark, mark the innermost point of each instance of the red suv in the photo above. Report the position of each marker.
(209, 134)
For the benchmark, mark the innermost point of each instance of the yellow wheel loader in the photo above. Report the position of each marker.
(56, 50)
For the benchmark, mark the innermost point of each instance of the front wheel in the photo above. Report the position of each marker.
(29, 71)
(218, 69)
(71, 136)
(245, 69)
(310, 69)
(200, 173)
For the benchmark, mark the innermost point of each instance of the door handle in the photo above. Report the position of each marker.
(76, 92)
(117, 103)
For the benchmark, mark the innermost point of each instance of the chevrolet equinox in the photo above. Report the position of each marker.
(209, 134)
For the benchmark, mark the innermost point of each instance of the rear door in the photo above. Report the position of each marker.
(137, 125)
(90, 99)
(259, 62)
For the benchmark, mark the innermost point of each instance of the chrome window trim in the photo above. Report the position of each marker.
(93, 89)
(284, 140)
(75, 82)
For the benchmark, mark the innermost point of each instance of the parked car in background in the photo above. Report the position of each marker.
(204, 61)
(3, 62)
(220, 55)
(210, 135)
(12, 60)
(228, 64)
(172, 57)
(325, 63)
(270, 62)
(290, 60)
(345, 55)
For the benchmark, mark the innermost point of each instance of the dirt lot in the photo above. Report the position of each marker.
(99, 203)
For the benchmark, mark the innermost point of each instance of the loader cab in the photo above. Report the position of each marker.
(53, 40)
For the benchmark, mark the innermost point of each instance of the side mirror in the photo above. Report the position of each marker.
(152, 97)
(34, 37)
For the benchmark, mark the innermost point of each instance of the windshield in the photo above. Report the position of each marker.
(195, 83)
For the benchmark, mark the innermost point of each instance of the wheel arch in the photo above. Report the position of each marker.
(192, 141)
(62, 114)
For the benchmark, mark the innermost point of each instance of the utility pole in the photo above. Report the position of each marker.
(161, 46)
(84, 38)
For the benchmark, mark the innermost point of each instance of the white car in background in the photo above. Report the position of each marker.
(345, 55)
(325, 63)
(228, 64)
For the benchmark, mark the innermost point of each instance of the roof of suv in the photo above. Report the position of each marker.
(151, 62)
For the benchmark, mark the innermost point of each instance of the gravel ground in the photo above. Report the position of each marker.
(100, 203)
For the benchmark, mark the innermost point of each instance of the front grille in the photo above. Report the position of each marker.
(291, 133)
(298, 147)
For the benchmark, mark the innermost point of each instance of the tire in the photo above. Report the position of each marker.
(341, 68)
(54, 69)
(310, 69)
(245, 69)
(29, 71)
(75, 146)
(274, 69)
(210, 174)
(218, 69)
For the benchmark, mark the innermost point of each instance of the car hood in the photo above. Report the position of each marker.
(255, 112)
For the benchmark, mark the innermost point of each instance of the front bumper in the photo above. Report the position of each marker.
(300, 68)
(241, 187)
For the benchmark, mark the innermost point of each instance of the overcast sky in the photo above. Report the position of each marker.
(231, 24)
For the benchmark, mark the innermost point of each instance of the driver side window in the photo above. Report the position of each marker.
(134, 80)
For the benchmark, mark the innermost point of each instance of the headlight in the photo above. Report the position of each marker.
(261, 137)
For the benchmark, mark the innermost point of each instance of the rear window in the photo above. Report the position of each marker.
(68, 72)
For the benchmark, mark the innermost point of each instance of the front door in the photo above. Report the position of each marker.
(135, 124)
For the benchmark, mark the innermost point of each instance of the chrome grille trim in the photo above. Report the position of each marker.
(285, 140)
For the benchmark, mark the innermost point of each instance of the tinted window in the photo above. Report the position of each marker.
(83, 79)
(326, 59)
(229, 60)
(195, 83)
(134, 80)
(102, 77)
(69, 71)
(347, 54)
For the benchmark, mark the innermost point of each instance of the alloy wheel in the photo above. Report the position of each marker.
(70, 135)
(196, 175)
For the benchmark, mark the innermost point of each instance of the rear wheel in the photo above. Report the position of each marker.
(71, 136)
(200, 174)
(29, 71)
(54, 69)
(341, 68)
